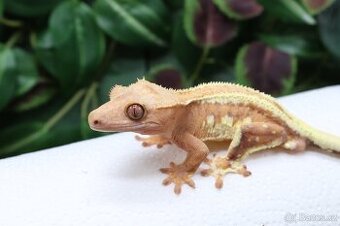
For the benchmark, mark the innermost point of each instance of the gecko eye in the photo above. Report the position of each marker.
(135, 111)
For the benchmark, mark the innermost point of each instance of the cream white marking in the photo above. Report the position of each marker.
(292, 144)
(210, 120)
(227, 120)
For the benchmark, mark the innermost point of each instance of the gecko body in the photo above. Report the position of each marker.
(245, 119)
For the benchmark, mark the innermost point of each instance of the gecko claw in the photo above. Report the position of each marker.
(243, 171)
(166, 181)
(221, 166)
(178, 176)
(190, 182)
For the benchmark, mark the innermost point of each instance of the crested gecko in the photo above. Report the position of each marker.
(245, 119)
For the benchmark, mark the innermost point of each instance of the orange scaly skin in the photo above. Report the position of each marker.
(245, 119)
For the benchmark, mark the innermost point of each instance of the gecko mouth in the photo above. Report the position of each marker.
(124, 127)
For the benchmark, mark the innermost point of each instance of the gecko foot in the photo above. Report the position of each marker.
(220, 166)
(159, 141)
(178, 176)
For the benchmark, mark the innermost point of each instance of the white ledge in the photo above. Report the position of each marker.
(113, 180)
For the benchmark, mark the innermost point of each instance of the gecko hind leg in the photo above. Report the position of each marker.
(249, 138)
(220, 166)
(157, 140)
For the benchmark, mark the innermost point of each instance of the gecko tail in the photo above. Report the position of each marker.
(319, 138)
(325, 141)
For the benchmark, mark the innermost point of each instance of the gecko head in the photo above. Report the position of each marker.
(134, 108)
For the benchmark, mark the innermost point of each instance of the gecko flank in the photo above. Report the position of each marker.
(245, 119)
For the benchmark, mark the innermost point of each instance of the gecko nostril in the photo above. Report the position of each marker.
(95, 122)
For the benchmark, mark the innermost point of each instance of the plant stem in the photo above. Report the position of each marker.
(94, 100)
(10, 23)
(49, 124)
(199, 65)
(88, 96)
(61, 113)
(91, 91)
(13, 39)
(106, 60)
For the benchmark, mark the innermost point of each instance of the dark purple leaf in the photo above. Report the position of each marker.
(316, 6)
(329, 28)
(211, 27)
(39, 95)
(267, 69)
(169, 78)
(246, 8)
(240, 9)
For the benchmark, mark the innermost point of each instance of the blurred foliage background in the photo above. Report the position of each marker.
(59, 58)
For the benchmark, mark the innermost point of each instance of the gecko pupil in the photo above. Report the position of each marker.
(135, 111)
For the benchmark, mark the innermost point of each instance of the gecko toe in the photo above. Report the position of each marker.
(178, 176)
(189, 182)
(219, 182)
(243, 171)
(167, 181)
(165, 170)
(178, 189)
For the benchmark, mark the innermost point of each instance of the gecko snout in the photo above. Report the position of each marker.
(93, 120)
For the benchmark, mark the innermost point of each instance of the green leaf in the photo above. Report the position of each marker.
(30, 8)
(38, 96)
(174, 4)
(16, 132)
(227, 75)
(294, 44)
(265, 68)
(185, 51)
(316, 6)
(205, 25)
(288, 10)
(134, 22)
(8, 78)
(19, 74)
(240, 10)
(36, 133)
(190, 9)
(122, 71)
(1, 8)
(329, 27)
(73, 46)
(26, 70)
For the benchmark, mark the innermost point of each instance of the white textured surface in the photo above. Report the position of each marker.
(114, 181)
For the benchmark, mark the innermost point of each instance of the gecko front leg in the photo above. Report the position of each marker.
(157, 140)
(249, 137)
(181, 174)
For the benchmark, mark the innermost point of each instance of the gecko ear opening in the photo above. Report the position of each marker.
(135, 112)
